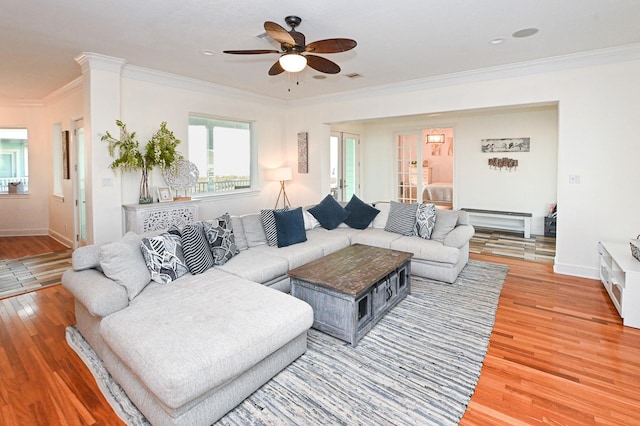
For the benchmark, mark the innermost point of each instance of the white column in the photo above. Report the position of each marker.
(101, 87)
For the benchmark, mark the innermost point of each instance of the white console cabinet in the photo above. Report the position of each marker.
(620, 275)
(141, 218)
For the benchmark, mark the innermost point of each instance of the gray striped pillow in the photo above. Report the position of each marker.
(195, 247)
(402, 218)
(269, 224)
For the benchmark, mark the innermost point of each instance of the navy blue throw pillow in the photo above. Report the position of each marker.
(329, 213)
(360, 213)
(290, 227)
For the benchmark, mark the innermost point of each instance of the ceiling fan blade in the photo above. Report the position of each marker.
(276, 68)
(278, 33)
(250, 52)
(331, 45)
(321, 64)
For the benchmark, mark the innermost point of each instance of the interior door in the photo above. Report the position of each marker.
(344, 165)
(80, 188)
(409, 164)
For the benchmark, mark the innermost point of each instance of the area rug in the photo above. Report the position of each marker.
(418, 365)
(18, 276)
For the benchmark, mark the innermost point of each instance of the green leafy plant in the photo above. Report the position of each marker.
(160, 150)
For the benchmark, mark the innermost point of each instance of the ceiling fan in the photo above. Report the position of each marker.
(295, 53)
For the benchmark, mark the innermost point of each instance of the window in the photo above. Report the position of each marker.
(222, 151)
(14, 160)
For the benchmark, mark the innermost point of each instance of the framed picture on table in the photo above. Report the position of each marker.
(164, 194)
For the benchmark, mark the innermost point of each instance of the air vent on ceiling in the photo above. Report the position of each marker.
(353, 75)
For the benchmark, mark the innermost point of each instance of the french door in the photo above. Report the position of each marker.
(409, 167)
(344, 165)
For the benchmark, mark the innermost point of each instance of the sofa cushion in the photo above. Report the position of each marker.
(330, 241)
(164, 257)
(226, 333)
(374, 237)
(290, 227)
(86, 257)
(380, 221)
(122, 261)
(428, 250)
(310, 222)
(257, 266)
(402, 218)
(238, 233)
(269, 225)
(221, 238)
(360, 213)
(329, 213)
(425, 220)
(296, 255)
(253, 229)
(446, 220)
(195, 247)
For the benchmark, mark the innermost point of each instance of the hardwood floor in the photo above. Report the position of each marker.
(17, 247)
(558, 355)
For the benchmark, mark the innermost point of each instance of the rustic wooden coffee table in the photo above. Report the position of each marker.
(352, 289)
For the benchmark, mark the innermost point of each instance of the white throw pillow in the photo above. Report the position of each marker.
(122, 261)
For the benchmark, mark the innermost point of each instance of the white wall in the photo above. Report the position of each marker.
(529, 189)
(597, 132)
(148, 98)
(63, 107)
(28, 214)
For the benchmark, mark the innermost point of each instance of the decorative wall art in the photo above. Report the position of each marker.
(66, 172)
(503, 163)
(303, 152)
(506, 145)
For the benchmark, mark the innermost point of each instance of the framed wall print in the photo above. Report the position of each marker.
(303, 152)
(164, 194)
(66, 172)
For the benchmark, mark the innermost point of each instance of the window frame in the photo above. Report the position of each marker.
(253, 158)
(25, 163)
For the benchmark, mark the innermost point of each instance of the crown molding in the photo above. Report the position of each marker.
(69, 88)
(629, 52)
(89, 60)
(187, 83)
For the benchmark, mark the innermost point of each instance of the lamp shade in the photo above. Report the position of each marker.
(279, 174)
(293, 62)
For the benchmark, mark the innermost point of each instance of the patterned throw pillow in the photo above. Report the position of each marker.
(219, 234)
(269, 224)
(195, 246)
(402, 218)
(425, 220)
(164, 257)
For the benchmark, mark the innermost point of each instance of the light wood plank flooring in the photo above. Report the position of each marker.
(558, 355)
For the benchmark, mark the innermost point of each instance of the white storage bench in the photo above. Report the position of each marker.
(511, 221)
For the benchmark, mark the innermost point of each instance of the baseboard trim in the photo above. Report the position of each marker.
(576, 271)
(22, 232)
(61, 239)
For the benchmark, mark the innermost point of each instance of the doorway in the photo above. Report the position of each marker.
(80, 184)
(344, 164)
(425, 166)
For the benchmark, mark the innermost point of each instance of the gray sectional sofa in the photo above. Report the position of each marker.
(188, 351)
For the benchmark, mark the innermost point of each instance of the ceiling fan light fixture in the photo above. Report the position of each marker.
(293, 62)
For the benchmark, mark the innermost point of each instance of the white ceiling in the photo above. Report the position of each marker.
(397, 40)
